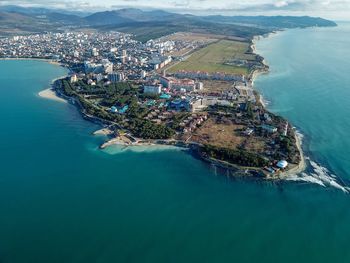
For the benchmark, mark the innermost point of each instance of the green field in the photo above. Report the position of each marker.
(212, 58)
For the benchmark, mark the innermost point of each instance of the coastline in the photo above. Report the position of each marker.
(48, 93)
(50, 61)
(301, 166)
(52, 94)
(294, 169)
(256, 73)
(142, 147)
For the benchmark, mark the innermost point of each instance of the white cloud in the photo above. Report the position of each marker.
(281, 4)
(312, 7)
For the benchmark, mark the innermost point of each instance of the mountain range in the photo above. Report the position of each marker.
(144, 24)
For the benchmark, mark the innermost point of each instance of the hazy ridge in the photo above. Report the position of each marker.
(145, 24)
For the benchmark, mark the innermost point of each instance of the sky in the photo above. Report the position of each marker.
(335, 9)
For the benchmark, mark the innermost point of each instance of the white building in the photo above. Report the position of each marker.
(199, 86)
(73, 78)
(152, 89)
(282, 164)
(114, 50)
(107, 66)
(94, 52)
(124, 53)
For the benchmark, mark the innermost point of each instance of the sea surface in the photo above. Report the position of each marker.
(64, 200)
(309, 84)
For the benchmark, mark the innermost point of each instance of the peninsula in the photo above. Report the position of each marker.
(187, 89)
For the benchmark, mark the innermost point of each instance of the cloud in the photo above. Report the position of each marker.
(224, 6)
(64, 4)
(281, 4)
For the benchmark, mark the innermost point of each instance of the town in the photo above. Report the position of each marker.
(146, 93)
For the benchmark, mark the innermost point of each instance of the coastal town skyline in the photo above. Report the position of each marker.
(338, 9)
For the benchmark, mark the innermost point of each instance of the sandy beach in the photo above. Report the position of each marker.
(47, 93)
(51, 95)
(104, 132)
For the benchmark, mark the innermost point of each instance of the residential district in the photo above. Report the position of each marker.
(124, 84)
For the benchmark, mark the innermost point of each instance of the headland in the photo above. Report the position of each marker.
(199, 95)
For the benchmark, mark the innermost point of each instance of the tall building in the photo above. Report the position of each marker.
(166, 82)
(94, 52)
(114, 50)
(116, 77)
(73, 78)
(113, 77)
(121, 76)
(93, 67)
(199, 85)
(108, 66)
(152, 89)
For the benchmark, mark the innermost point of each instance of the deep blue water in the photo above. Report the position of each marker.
(64, 200)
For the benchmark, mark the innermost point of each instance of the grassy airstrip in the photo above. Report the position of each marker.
(213, 58)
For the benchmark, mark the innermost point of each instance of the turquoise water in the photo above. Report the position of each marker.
(309, 84)
(63, 200)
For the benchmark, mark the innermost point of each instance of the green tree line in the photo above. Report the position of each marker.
(235, 156)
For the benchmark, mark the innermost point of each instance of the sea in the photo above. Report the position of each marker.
(62, 199)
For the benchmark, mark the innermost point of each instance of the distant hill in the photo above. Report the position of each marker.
(12, 23)
(62, 19)
(15, 23)
(145, 24)
(107, 18)
(273, 21)
(130, 15)
(153, 24)
(39, 10)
